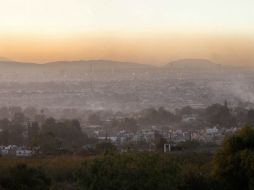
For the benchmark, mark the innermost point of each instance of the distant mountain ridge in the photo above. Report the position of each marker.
(192, 63)
(4, 59)
(97, 64)
(13, 64)
(188, 63)
(81, 64)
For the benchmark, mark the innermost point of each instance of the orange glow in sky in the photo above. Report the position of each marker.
(147, 31)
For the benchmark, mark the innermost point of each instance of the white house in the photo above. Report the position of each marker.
(3, 151)
(24, 152)
(212, 131)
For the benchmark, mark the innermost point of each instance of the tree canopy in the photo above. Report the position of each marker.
(234, 163)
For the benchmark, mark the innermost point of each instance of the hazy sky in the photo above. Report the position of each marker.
(151, 31)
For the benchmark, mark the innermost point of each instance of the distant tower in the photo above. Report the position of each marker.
(167, 148)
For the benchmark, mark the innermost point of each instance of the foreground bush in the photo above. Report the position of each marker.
(234, 163)
(129, 172)
(23, 177)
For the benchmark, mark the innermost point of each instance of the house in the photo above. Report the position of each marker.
(212, 131)
(14, 150)
(22, 152)
(111, 139)
(11, 149)
(189, 118)
(3, 151)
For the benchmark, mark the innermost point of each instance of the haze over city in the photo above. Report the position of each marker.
(126, 94)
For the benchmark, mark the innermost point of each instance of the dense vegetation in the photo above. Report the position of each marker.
(234, 163)
(50, 135)
(230, 168)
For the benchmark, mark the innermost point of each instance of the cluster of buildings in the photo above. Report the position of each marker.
(144, 139)
(150, 136)
(17, 151)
